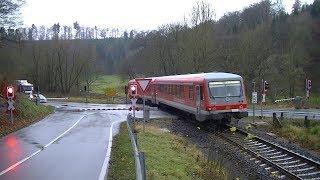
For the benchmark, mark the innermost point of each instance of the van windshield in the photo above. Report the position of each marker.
(225, 89)
(27, 88)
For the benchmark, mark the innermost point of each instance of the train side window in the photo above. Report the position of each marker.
(181, 91)
(191, 92)
(176, 90)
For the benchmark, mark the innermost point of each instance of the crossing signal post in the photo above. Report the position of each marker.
(10, 96)
(264, 89)
(85, 93)
(308, 87)
(133, 98)
(266, 86)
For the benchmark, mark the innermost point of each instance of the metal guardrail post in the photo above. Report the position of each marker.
(136, 139)
(307, 122)
(140, 170)
(276, 121)
(143, 165)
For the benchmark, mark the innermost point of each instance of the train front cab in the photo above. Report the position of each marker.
(220, 100)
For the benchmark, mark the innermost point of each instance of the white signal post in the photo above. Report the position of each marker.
(133, 106)
(308, 87)
(10, 101)
(143, 83)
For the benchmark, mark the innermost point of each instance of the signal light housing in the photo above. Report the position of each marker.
(266, 86)
(309, 84)
(133, 90)
(10, 92)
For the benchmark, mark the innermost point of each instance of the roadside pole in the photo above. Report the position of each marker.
(254, 100)
(11, 116)
(10, 109)
(85, 93)
(144, 83)
(38, 98)
(133, 107)
(262, 97)
(10, 101)
(144, 112)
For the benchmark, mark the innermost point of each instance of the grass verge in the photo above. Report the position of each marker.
(294, 130)
(26, 113)
(171, 157)
(167, 157)
(121, 165)
(306, 137)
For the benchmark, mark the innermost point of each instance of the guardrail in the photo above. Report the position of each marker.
(139, 157)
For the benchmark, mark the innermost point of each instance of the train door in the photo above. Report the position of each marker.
(198, 102)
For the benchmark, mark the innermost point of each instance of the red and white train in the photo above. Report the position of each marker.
(206, 96)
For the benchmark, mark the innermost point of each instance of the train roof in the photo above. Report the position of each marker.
(211, 76)
(199, 76)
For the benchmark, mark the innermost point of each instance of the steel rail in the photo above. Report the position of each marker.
(290, 153)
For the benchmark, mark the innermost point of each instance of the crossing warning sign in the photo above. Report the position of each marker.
(143, 83)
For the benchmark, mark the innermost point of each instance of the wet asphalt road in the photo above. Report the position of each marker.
(72, 143)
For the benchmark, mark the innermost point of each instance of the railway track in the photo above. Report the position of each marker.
(280, 162)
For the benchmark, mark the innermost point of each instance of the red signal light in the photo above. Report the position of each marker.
(133, 90)
(10, 92)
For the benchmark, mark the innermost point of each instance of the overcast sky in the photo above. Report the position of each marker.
(123, 14)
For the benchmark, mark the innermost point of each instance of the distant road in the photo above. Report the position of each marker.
(289, 113)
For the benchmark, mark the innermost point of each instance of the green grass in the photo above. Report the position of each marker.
(109, 81)
(171, 157)
(98, 90)
(167, 157)
(121, 165)
(26, 113)
(314, 101)
(296, 132)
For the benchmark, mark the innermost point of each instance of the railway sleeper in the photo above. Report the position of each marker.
(284, 159)
(290, 162)
(294, 166)
(280, 156)
(309, 174)
(261, 146)
(257, 144)
(263, 149)
(272, 150)
(272, 154)
(303, 169)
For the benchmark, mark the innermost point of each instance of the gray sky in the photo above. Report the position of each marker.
(123, 14)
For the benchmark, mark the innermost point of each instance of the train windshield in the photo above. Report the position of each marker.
(225, 89)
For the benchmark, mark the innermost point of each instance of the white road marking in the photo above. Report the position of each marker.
(37, 152)
(106, 160)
